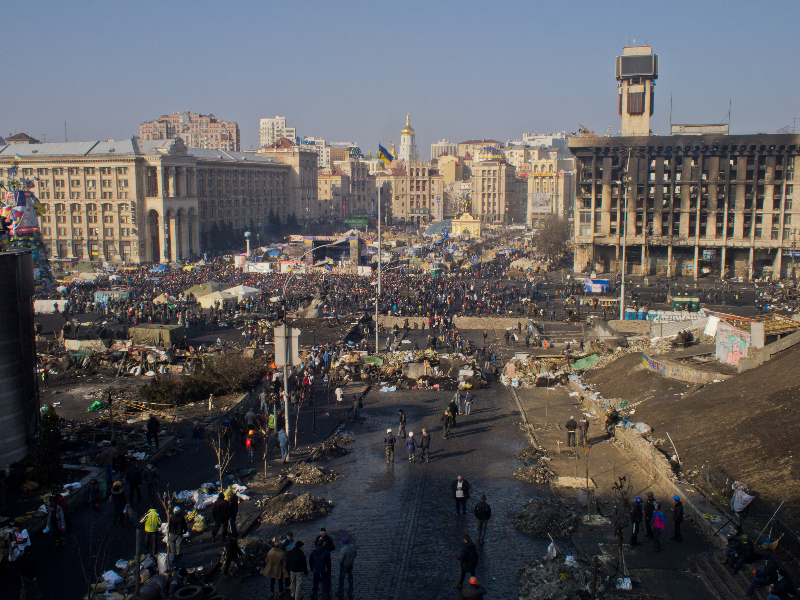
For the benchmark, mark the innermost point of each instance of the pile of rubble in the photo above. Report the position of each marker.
(529, 372)
(536, 469)
(254, 551)
(542, 516)
(327, 450)
(309, 474)
(555, 580)
(289, 507)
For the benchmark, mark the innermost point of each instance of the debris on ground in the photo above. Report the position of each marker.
(342, 439)
(254, 551)
(288, 507)
(539, 473)
(327, 450)
(542, 516)
(555, 580)
(309, 474)
(530, 452)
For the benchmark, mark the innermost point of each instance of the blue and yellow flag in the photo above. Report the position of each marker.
(384, 155)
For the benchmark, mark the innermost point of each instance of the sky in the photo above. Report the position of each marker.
(351, 71)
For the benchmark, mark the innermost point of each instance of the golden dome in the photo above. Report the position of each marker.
(407, 130)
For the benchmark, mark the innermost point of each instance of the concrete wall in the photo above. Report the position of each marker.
(677, 370)
(758, 356)
(460, 322)
(669, 329)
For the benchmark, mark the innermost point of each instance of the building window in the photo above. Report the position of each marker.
(75, 183)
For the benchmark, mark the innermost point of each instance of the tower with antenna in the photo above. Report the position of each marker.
(637, 71)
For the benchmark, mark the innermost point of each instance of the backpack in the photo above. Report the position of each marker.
(658, 523)
(318, 559)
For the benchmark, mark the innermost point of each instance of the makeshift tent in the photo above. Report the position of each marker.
(242, 291)
(208, 300)
(522, 263)
(163, 299)
(203, 289)
(154, 335)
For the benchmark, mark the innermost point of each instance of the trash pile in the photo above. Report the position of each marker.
(555, 580)
(530, 372)
(330, 448)
(309, 474)
(207, 493)
(536, 469)
(288, 507)
(406, 369)
(542, 516)
(254, 551)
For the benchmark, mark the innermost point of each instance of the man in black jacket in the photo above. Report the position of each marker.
(425, 445)
(468, 557)
(389, 441)
(26, 567)
(221, 511)
(232, 553)
(175, 530)
(571, 427)
(784, 588)
(324, 539)
(297, 565)
(649, 509)
(483, 512)
(677, 518)
(460, 489)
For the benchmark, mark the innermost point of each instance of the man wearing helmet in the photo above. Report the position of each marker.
(389, 441)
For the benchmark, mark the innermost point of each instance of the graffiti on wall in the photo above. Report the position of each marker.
(732, 344)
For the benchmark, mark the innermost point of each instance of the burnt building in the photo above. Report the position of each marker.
(694, 204)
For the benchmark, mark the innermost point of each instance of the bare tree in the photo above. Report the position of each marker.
(222, 450)
(553, 237)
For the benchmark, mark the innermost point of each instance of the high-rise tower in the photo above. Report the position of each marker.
(637, 71)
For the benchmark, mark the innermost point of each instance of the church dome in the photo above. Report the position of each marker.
(407, 130)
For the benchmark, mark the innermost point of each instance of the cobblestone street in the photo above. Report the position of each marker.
(402, 516)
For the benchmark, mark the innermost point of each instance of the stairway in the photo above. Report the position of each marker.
(721, 581)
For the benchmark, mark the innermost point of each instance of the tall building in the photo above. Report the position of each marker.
(550, 184)
(417, 193)
(494, 188)
(323, 150)
(197, 131)
(139, 200)
(271, 130)
(683, 204)
(637, 71)
(302, 182)
(408, 144)
(443, 147)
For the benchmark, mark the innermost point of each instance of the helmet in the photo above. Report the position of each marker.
(388, 431)
(176, 510)
(251, 432)
(676, 498)
(638, 501)
(410, 434)
(473, 581)
(745, 538)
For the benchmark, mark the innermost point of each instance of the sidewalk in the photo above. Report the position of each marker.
(666, 573)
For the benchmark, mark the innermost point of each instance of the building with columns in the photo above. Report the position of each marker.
(197, 131)
(408, 144)
(139, 201)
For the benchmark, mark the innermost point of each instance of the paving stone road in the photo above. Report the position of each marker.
(402, 516)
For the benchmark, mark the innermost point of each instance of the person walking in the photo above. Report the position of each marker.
(571, 427)
(636, 522)
(118, 501)
(473, 591)
(233, 553)
(658, 525)
(411, 446)
(583, 430)
(221, 512)
(106, 460)
(388, 442)
(153, 428)
(425, 446)
(26, 567)
(250, 444)
(283, 440)
(401, 430)
(198, 433)
(347, 558)
(233, 508)
(468, 403)
(151, 477)
(152, 522)
(468, 559)
(356, 408)
(677, 518)
(460, 489)
(275, 568)
(447, 421)
(483, 512)
(648, 514)
(320, 562)
(176, 529)
(297, 565)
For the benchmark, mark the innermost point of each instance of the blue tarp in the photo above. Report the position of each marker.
(159, 269)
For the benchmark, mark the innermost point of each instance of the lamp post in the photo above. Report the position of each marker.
(247, 235)
(625, 181)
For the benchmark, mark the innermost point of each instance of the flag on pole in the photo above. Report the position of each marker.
(384, 155)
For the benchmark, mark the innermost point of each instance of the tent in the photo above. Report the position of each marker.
(208, 300)
(522, 263)
(163, 299)
(159, 269)
(203, 289)
(242, 291)
(153, 335)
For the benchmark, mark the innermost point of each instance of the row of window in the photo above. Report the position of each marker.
(44, 171)
(77, 232)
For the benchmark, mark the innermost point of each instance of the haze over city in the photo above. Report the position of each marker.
(351, 72)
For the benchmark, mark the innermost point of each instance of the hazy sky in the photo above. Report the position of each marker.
(350, 71)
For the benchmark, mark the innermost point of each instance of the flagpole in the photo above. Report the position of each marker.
(378, 295)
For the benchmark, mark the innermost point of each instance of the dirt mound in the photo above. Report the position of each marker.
(289, 507)
(309, 474)
(541, 516)
(555, 580)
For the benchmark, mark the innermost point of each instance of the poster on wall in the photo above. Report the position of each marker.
(732, 344)
(540, 203)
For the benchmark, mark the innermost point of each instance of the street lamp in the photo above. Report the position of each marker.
(247, 235)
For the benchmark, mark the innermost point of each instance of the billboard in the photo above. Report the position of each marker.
(540, 203)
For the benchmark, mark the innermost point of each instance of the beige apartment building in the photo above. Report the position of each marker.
(197, 131)
(145, 200)
(348, 189)
(302, 184)
(417, 193)
(494, 188)
(273, 129)
(472, 147)
(551, 184)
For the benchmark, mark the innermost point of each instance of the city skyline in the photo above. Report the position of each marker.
(476, 72)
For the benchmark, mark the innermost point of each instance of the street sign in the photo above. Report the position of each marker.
(281, 353)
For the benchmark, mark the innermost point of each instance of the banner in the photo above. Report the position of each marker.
(540, 203)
